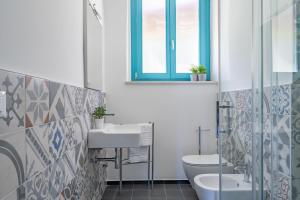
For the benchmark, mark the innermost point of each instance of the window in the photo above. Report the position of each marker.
(167, 37)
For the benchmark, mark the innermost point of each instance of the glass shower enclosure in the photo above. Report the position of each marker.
(259, 99)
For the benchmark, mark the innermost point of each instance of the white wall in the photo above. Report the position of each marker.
(43, 38)
(236, 41)
(176, 109)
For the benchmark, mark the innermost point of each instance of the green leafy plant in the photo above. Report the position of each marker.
(201, 69)
(194, 69)
(99, 112)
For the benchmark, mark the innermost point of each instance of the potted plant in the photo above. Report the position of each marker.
(194, 74)
(202, 73)
(98, 115)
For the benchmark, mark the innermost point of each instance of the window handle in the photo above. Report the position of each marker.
(173, 45)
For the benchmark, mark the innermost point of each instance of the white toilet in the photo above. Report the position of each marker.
(204, 164)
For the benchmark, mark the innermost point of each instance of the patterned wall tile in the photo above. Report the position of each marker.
(269, 104)
(94, 99)
(267, 161)
(282, 143)
(295, 155)
(38, 186)
(278, 139)
(37, 101)
(57, 139)
(277, 99)
(91, 177)
(14, 85)
(74, 100)
(71, 191)
(243, 100)
(53, 157)
(244, 130)
(282, 187)
(37, 150)
(69, 162)
(87, 123)
(295, 99)
(81, 155)
(282, 99)
(296, 189)
(268, 195)
(12, 159)
(57, 178)
(74, 132)
(85, 99)
(240, 99)
(56, 101)
(267, 151)
(72, 165)
(226, 96)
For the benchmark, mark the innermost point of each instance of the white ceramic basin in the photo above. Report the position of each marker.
(233, 187)
(117, 135)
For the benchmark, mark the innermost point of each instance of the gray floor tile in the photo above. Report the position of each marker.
(123, 196)
(141, 198)
(143, 192)
(173, 193)
(172, 186)
(191, 198)
(141, 186)
(157, 193)
(158, 198)
(175, 198)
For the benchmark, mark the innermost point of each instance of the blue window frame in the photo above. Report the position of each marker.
(137, 42)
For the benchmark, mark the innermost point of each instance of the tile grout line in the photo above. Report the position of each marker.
(165, 190)
(116, 194)
(181, 192)
(132, 192)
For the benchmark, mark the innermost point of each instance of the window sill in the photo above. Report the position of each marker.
(171, 82)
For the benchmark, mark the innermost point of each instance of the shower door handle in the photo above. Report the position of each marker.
(218, 119)
(218, 106)
(225, 107)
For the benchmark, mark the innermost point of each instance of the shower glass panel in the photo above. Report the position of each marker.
(236, 113)
(279, 63)
(259, 130)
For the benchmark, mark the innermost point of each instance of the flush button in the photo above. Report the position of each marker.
(2, 104)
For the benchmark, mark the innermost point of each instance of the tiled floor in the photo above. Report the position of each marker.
(142, 192)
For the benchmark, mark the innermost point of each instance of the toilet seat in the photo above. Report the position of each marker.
(203, 160)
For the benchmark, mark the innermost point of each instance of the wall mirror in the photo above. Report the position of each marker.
(93, 43)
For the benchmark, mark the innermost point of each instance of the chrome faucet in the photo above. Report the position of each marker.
(246, 170)
(110, 114)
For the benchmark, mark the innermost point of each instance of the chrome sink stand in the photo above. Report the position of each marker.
(150, 162)
(119, 165)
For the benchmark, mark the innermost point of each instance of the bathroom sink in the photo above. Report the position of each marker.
(118, 136)
(233, 187)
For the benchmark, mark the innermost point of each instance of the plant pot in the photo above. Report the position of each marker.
(202, 77)
(99, 123)
(194, 77)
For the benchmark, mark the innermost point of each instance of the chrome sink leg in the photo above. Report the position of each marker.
(116, 158)
(149, 162)
(121, 167)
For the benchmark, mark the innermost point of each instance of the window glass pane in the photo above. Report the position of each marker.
(187, 34)
(154, 36)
